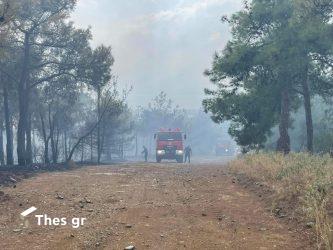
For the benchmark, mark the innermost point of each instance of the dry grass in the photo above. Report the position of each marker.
(303, 181)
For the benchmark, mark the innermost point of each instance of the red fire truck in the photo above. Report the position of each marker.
(169, 145)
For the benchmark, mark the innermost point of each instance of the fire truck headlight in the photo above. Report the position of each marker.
(179, 152)
(161, 152)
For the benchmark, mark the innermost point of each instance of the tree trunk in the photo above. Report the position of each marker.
(29, 140)
(22, 93)
(57, 145)
(136, 146)
(28, 131)
(65, 142)
(82, 152)
(2, 153)
(21, 129)
(283, 144)
(53, 147)
(122, 149)
(45, 140)
(9, 127)
(98, 126)
(91, 148)
(34, 150)
(102, 141)
(308, 113)
(53, 140)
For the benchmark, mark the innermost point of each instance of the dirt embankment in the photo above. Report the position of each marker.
(149, 206)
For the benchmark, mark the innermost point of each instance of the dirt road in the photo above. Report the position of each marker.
(150, 206)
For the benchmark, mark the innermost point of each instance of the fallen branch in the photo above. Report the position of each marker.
(72, 151)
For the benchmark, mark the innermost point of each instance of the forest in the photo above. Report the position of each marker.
(273, 80)
(61, 100)
(57, 92)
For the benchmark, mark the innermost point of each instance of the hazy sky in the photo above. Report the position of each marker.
(159, 45)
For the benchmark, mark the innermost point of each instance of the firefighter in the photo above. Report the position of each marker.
(145, 153)
(188, 153)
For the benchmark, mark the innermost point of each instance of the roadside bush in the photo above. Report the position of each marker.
(71, 165)
(302, 181)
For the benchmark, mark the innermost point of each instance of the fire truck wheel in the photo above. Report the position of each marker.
(180, 160)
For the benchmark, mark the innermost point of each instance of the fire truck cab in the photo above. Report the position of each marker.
(169, 145)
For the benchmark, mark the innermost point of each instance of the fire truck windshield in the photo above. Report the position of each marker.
(169, 136)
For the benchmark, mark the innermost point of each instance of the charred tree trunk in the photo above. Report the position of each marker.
(308, 112)
(22, 93)
(21, 128)
(9, 127)
(52, 136)
(45, 140)
(283, 144)
(53, 145)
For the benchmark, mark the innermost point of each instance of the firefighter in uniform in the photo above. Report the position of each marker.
(145, 153)
(188, 153)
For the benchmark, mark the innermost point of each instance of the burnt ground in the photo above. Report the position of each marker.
(150, 206)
